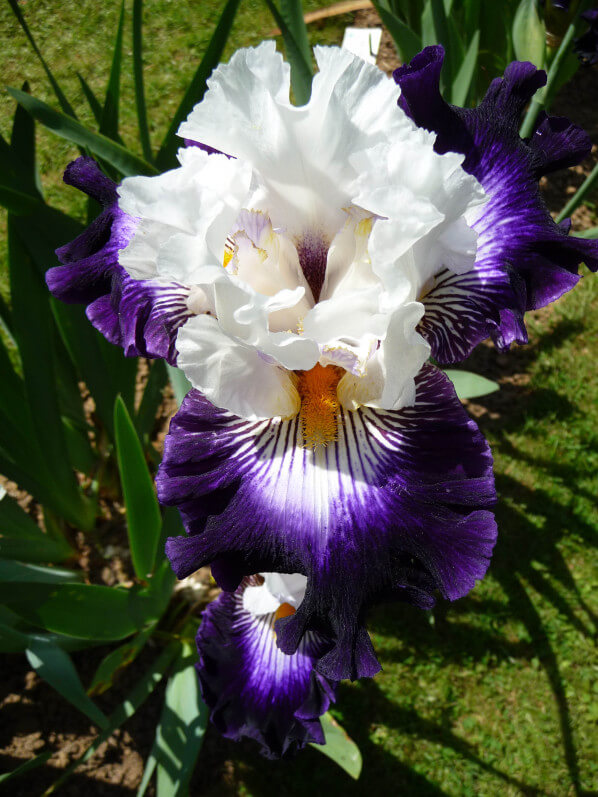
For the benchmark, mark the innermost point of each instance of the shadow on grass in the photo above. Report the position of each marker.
(532, 523)
(522, 548)
(487, 360)
(311, 773)
(531, 549)
(407, 720)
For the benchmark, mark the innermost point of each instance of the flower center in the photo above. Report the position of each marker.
(319, 404)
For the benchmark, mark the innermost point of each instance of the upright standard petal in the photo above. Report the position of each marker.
(301, 153)
(524, 260)
(253, 689)
(309, 244)
(368, 504)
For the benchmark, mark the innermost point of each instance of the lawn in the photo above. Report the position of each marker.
(496, 694)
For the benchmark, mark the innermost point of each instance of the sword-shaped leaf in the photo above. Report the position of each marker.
(339, 746)
(144, 521)
(65, 126)
(55, 666)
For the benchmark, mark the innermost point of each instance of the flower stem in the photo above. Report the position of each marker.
(579, 195)
(543, 97)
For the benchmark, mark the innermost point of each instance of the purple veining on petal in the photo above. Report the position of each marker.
(252, 688)
(150, 314)
(396, 507)
(312, 249)
(524, 259)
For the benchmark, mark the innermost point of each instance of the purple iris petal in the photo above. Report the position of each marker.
(253, 689)
(524, 259)
(91, 261)
(142, 316)
(393, 508)
(150, 314)
(103, 314)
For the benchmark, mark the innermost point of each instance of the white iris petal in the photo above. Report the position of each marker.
(277, 589)
(313, 244)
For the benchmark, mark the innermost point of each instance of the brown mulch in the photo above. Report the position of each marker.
(34, 718)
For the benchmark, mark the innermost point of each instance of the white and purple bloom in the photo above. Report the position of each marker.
(252, 687)
(301, 266)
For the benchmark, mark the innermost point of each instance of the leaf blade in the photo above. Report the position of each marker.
(339, 747)
(81, 610)
(301, 69)
(33, 763)
(145, 417)
(127, 708)
(589, 185)
(468, 385)
(64, 103)
(144, 521)
(14, 521)
(109, 120)
(115, 154)
(180, 731)
(45, 549)
(55, 666)
(407, 42)
(144, 137)
(34, 332)
(292, 13)
(180, 384)
(462, 82)
(529, 34)
(117, 660)
(92, 100)
(15, 572)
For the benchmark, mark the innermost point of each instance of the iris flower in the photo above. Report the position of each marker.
(302, 266)
(255, 689)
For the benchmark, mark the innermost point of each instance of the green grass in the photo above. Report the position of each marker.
(496, 696)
